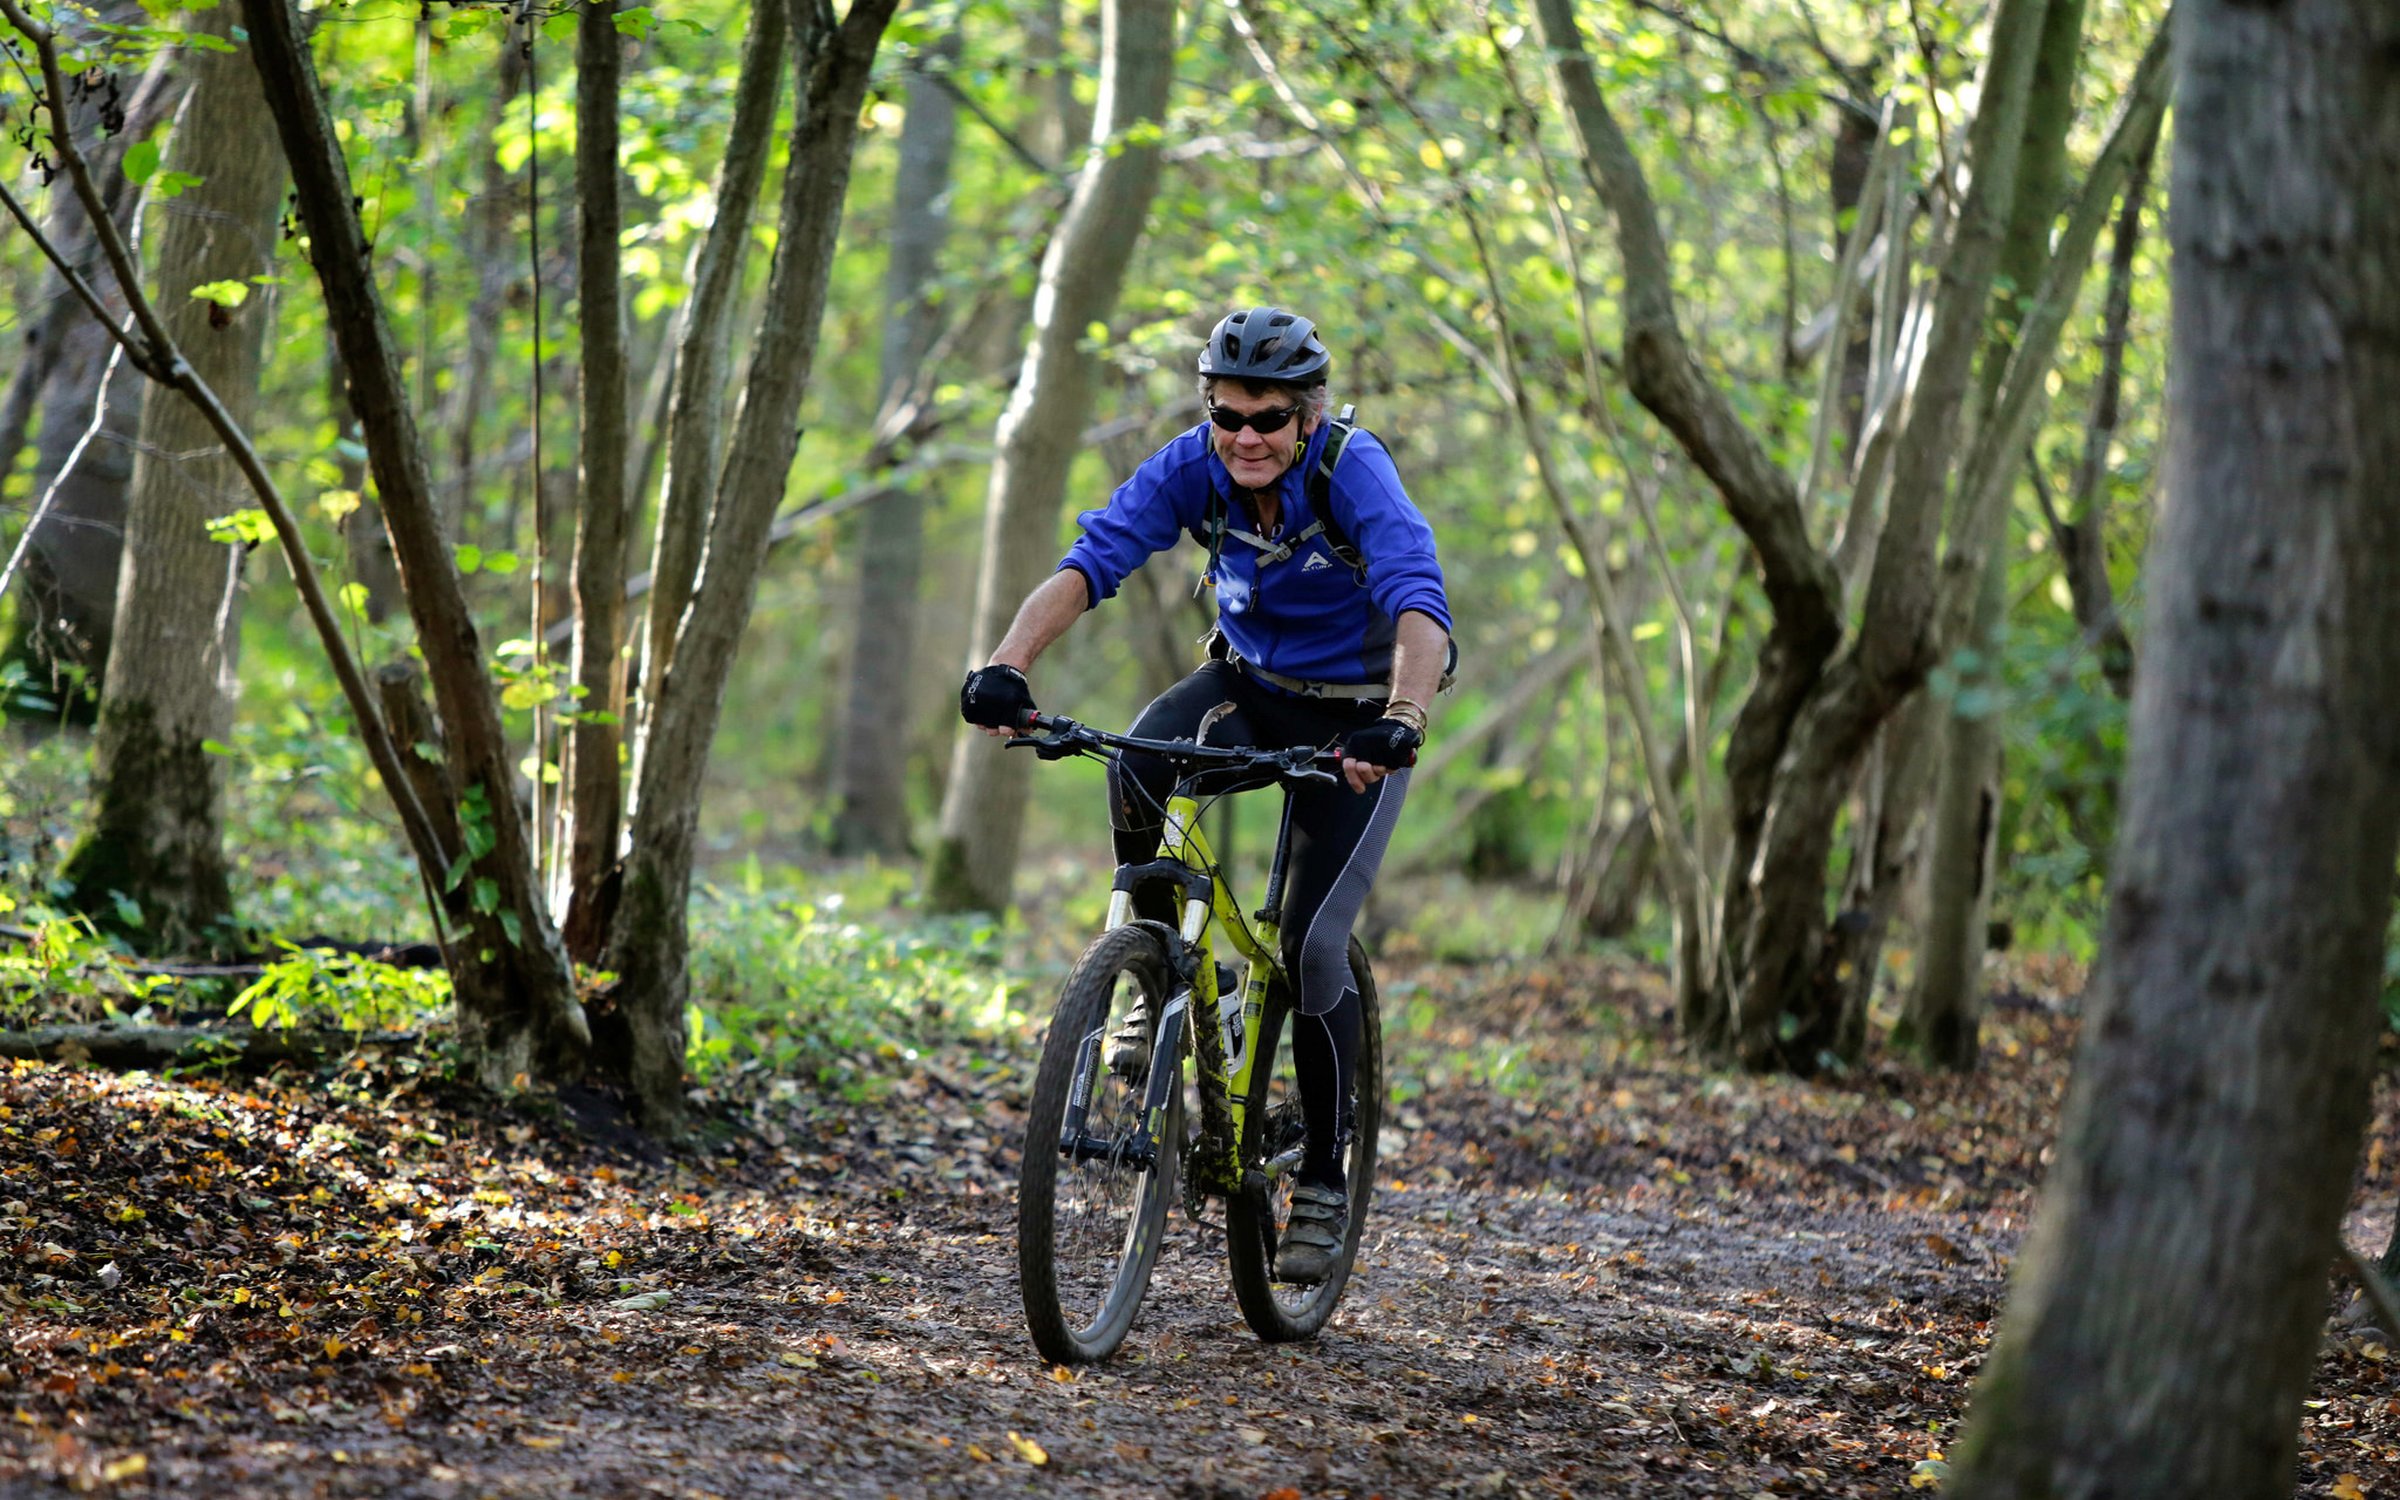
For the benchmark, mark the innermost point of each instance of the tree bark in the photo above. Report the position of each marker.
(2166, 1312)
(603, 517)
(156, 836)
(973, 864)
(1781, 1007)
(649, 941)
(696, 420)
(1943, 1013)
(515, 988)
(870, 814)
(488, 219)
(364, 540)
(67, 579)
(2083, 540)
(1942, 1016)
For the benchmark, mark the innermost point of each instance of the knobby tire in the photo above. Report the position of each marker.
(1057, 1198)
(1254, 1219)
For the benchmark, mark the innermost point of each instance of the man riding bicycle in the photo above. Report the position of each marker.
(1332, 628)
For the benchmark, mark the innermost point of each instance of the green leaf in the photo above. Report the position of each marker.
(174, 184)
(241, 528)
(223, 293)
(525, 693)
(141, 160)
(502, 563)
(560, 27)
(484, 895)
(637, 22)
(470, 557)
(510, 924)
(215, 747)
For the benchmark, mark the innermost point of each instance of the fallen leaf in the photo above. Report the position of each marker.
(1028, 1450)
(644, 1301)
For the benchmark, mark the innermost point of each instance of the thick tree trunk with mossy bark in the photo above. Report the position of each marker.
(156, 835)
(2166, 1312)
(870, 814)
(973, 865)
(649, 940)
(516, 993)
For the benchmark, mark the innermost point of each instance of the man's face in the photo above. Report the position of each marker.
(1255, 459)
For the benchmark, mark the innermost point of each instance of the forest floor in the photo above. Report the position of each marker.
(1593, 1268)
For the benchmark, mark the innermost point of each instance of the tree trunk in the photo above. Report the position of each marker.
(1779, 1006)
(696, 420)
(364, 539)
(2083, 539)
(649, 941)
(1943, 1015)
(516, 993)
(603, 516)
(156, 834)
(67, 580)
(2166, 1312)
(488, 219)
(983, 812)
(870, 814)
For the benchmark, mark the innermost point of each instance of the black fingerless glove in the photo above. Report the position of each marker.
(1388, 743)
(996, 697)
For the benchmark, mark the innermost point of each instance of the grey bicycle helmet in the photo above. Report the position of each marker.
(1267, 344)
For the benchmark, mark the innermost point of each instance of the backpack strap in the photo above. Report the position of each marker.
(1319, 486)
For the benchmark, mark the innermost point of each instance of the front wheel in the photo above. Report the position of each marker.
(1274, 1133)
(1090, 1210)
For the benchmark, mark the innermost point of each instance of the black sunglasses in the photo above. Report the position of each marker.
(1262, 422)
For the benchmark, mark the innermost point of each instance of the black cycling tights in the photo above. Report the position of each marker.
(1338, 839)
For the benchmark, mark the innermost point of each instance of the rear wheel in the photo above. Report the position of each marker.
(1090, 1216)
(1273, 1135)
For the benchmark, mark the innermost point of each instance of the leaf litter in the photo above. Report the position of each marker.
(1598, 1269)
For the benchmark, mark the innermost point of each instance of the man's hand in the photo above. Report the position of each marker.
(996, 699)
(1374, 752)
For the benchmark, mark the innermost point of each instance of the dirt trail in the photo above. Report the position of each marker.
(1641, 1280)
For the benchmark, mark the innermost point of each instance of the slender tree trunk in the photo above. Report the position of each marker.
(2083, 538)
(696, 420)
(1942, 1014)
(515, 989)
(364, 539)
(155, 836)
(870, 812)
(1944, 1007)
(649, 942)
(603, 519)
(2165, 1318)
(488, 218)
(983, 813)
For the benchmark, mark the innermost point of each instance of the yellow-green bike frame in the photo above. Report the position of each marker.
(1224, 1090)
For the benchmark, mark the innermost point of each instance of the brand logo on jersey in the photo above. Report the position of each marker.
(1316, 561)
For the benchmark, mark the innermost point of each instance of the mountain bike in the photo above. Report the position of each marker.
(1103, 1147)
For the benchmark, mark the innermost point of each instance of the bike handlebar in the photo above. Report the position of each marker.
(1062, 737)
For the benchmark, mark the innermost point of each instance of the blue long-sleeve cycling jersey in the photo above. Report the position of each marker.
(1307, 615)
